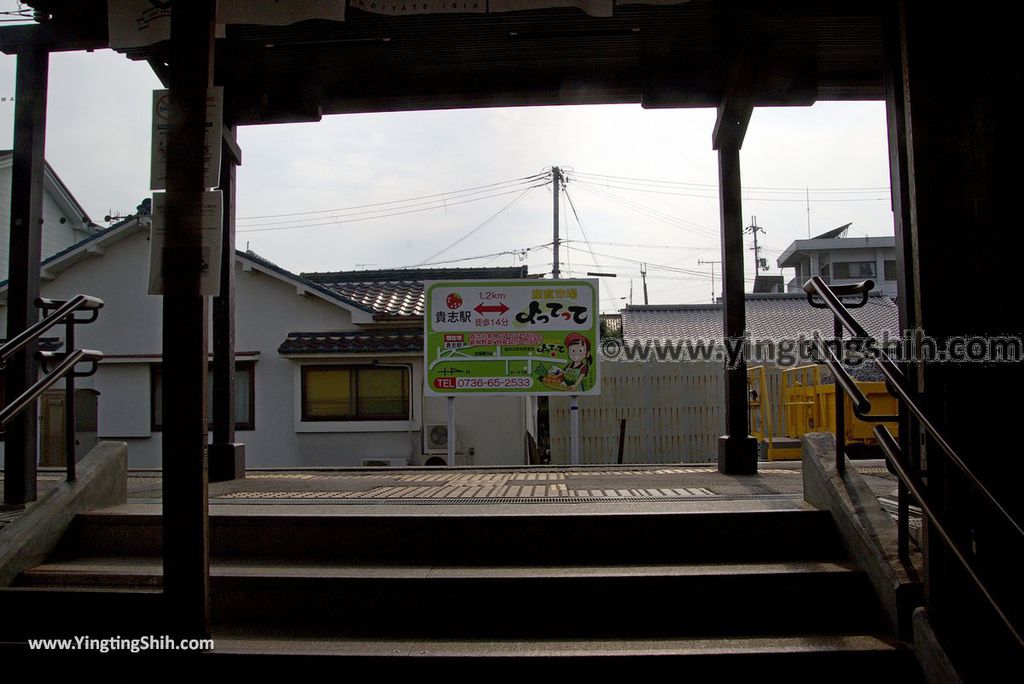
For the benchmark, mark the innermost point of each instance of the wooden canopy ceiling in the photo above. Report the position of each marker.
(686, 55)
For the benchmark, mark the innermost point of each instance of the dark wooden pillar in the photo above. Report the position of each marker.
(737, 450)
(963, 142)
(186, 524)
(27, 170)
(227, 458)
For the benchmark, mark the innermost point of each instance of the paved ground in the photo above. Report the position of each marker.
(654, 487)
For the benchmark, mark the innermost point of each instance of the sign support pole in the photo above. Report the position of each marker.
(574, 430)
(451, 431)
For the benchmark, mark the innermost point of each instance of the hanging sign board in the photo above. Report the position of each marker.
(511, 337)
(137, 23)
(213, 144)
(212, 217)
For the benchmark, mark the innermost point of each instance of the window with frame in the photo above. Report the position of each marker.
(853, 269)
(341, 393)
(245, 395)
(891, 272)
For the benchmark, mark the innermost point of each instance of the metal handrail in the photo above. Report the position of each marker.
(909, 482)
(861, 404)
(895, 456)
(895, 381)
(47, 381)
(62, 310)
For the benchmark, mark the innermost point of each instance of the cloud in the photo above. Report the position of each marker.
(98, 140)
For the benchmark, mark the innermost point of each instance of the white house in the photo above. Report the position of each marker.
(328, 374)
(840, 260)
(65, 222)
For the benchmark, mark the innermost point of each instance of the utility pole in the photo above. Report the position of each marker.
(754, 229)
(808, 196)
(643, 276)
(556, 180)
(701, 262)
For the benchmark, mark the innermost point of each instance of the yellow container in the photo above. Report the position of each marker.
(857, 430)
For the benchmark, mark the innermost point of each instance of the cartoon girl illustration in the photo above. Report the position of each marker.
(574, 374)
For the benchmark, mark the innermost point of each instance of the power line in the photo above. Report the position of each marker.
(487, 221)
(650, 213)
(583, 231)
(440, 197)
(661, 267)
(339, 220)
(522, 250)
(801, 190)
(746, 191)
(640, 245)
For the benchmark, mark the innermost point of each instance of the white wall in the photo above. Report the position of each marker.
(128, 332)
(56, 236)
(877, 256)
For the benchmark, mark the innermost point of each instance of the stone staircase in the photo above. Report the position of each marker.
(721, 596)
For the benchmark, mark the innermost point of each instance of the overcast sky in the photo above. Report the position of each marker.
(98, 141)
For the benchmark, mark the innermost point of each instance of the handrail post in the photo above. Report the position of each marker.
(903, 522)
(837, 330)
(69, 399)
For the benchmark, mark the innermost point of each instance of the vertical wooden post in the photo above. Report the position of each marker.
(186, 523)
(737, 450)
(962, 143)
(27, 171)
(227, 458)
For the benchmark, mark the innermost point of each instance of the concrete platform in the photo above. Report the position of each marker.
(461, 491)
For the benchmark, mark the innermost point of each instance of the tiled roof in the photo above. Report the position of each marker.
(398, 293)
(352, 342)
(270, 265)
(769, 316)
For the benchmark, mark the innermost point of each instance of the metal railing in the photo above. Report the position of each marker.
(911, 483)
(59, 311)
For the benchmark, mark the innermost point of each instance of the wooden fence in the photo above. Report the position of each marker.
(675, 413)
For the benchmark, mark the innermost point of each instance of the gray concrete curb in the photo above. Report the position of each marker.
(868, 532)
(102, 481)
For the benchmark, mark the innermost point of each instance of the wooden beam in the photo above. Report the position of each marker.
(227, 458)
(737, 450)
(761, 74)
(185, 328)
(26, 231)
(55, 36)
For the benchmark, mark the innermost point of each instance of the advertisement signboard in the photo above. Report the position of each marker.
(495, 337)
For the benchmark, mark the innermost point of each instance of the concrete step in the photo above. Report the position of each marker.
(813, 659)
(61, 611)
(266, 656)
(481, 539)
(475, 601)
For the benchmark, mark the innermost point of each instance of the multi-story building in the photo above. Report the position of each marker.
(839, 259)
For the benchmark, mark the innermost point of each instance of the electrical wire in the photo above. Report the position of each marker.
(441, 196)
(339, 220)
(486, 222)
(643, 210)
(583, 231)
(668, 183)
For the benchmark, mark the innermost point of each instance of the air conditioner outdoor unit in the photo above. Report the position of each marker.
(435, 438)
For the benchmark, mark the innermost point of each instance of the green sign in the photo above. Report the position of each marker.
(511, 337)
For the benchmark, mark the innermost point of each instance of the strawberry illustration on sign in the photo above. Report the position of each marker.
(453, 301)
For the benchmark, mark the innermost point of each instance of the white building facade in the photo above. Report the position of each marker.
(322, 379)
(841, 260)
(65, 222)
